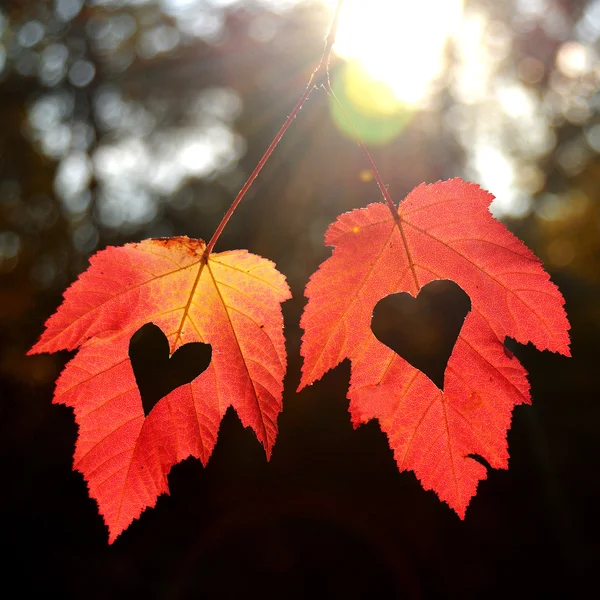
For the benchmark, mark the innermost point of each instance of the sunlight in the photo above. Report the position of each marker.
(398, 42)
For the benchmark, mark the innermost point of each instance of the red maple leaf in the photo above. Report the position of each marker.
(443, 231)
(232, 301)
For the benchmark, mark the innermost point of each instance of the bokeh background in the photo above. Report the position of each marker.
(127, 119)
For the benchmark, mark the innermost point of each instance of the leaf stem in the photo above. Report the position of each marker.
(382, 187)
(321, 69)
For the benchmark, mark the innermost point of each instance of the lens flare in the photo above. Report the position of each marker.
(396, 47)
(369, 106)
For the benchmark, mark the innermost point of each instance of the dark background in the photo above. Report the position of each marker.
(97, 103)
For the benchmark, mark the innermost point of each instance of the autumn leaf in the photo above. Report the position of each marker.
(232, 302)
(443, 231)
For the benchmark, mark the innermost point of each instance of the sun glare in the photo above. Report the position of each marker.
(399, 43)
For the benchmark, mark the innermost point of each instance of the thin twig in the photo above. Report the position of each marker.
(321, 69)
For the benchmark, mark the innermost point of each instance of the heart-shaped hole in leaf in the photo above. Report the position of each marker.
(155, 372)
(423, 330)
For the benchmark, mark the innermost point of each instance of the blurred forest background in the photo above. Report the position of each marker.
(127, 119)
